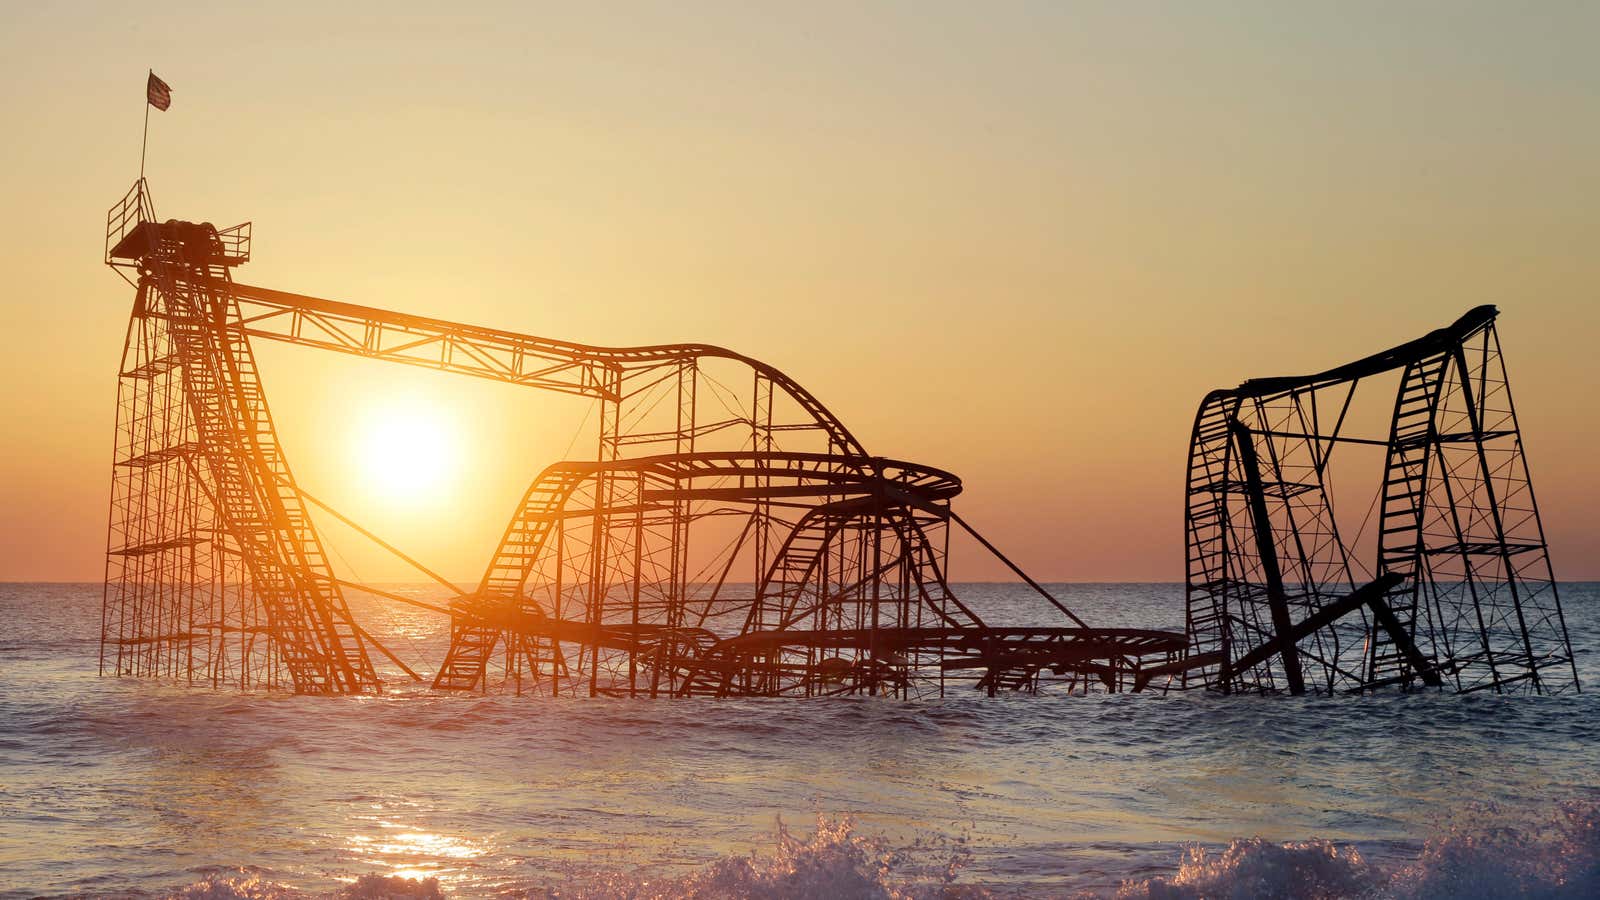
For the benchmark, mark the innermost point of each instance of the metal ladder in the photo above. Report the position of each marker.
(1206, 536)
(1412, 440)
(250, 483)
(474, 633)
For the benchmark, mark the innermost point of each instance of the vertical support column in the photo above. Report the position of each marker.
(638, 562)
(1492, 337)
(1277, 600)
(1475, 421)
(761, 442)
(678, 575)
(558, 656)
(604, 490)
(162, 607)
(873, 654)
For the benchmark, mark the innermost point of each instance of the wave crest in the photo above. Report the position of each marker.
(1254, 867)
(833, 861)
(1557, 859)
(1554, 860)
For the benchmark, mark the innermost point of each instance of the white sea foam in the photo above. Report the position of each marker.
(1554, 860)
(1311, 870)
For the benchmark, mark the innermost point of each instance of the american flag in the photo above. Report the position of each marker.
(158, 93)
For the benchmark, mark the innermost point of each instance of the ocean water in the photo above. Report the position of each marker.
(121, 787)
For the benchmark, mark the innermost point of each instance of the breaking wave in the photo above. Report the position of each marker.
(1549, 860)
(1554, 860)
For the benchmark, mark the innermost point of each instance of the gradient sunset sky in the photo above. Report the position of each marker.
(1017, 241)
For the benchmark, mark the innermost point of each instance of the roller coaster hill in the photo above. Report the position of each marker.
(730, 537)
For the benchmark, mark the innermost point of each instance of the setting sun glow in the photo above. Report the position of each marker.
(405, 454)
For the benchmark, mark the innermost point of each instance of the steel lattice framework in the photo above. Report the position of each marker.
(1461, 595)
(831, 577)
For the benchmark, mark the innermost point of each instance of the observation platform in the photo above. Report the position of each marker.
(194, 242)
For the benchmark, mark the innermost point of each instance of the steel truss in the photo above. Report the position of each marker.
(830, 577)
(1461, 596)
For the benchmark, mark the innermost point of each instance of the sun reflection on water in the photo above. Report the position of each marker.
(404, 850)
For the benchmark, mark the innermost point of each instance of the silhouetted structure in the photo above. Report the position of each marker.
(1460, 595)
(216, 573)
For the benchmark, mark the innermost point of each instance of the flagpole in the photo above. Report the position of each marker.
(146, 139)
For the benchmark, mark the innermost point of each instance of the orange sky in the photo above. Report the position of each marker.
(1016, 243)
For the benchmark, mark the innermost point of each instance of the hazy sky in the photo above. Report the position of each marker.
(1017, 241)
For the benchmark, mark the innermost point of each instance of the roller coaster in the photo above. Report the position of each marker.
(828, 569)
(1459, 595)
(830, 578)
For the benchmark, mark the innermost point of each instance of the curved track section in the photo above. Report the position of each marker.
(508, 356)
(598, 543)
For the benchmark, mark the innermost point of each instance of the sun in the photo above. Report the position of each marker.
(406, 453)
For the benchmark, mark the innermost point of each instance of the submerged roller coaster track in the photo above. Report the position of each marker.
(740, 541)
(1459, 593)
(831, 578)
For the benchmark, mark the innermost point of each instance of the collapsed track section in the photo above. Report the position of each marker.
(728, 536)
(1457, 592)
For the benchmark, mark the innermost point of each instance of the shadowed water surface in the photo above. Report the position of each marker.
(118, 786)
